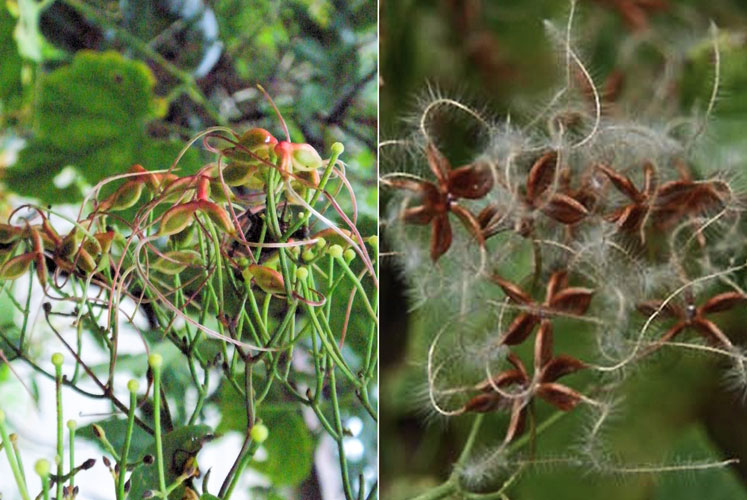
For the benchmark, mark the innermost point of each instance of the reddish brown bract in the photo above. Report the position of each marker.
(438, 199)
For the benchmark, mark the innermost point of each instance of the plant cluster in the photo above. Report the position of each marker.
(632, 237)
(240, 270)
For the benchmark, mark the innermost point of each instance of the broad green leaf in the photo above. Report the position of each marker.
(91, 115)
(115, 429)
(10, 76)
(290, 448)
(713, 484)
(178, 446)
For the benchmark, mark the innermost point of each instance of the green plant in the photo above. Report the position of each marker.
(247, 271)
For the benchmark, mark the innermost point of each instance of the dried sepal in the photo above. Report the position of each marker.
(471, 181)
(543, 345)
(621, 182)
(650, 307)
(513, 291)
(575, 300)
(723, 302)
(711, 332)
(562, 397)
(541, 175)
(564, 209)
(560, 366)
(483, 403)
(441, 236)
(520, 328)
(438, 164)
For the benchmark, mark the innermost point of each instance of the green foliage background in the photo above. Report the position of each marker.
(496, 57)
(89, 87)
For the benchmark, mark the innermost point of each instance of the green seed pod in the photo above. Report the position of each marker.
(302, 273)
(104, 240)
(85, 262)
(92, 246)
(259, 433)
(155, 361)
(184, 237)
(335, 251)
(133, 385)
(41, 467)
(58, 359)
(267, 279)
(41, 263)
(17, 266)
(174, 262)
(69, 244)
(348, 255)
(9, 234)
(237, 173)
(305, 157)
(124, 197)
(177, 218)
(218, 194)
(257, 139)
(98, 431)
(218, 215)
(333, 237)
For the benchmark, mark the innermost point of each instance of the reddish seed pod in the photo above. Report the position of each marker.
(269, 280)
(9, 234)
(124, 197)
(17, 266)
(177, 218)
(218, 215)
(175, 262)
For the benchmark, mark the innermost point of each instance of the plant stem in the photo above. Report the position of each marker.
(20, 482)
(126, 447)
(157, 428)
(72, 457)
(60, 449)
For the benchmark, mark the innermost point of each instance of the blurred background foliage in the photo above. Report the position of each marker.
(654, 59)
(89, 87)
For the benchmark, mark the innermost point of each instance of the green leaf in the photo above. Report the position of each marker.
(208, 496)
(178, 446)
(115, 429)
(91, 115)
(714, 484)
(290, 448)
(10, 76)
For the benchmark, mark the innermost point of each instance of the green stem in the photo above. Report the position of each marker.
(71, 452)
(126, 448)
(45, 487)
(157, 428)
(60, 449)
(242, 465)
(340, 436)
(12, 459)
